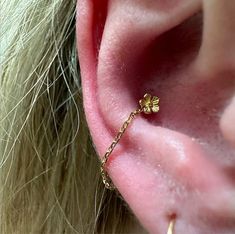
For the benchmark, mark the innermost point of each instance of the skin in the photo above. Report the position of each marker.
(181, 160)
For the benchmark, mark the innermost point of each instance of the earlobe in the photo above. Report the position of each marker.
(157, 166)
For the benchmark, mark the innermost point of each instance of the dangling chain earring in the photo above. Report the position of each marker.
(148, 105)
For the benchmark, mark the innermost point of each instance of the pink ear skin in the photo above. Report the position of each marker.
(176, 161)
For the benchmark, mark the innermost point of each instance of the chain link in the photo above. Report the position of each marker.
(106, 180)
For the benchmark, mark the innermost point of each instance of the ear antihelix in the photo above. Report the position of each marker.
(148, 104)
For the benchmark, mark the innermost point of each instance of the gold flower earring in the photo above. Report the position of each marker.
(148, 105)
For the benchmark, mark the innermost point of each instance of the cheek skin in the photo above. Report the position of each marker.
(227, 124)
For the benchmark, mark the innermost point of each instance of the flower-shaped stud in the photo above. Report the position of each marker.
(149, 104)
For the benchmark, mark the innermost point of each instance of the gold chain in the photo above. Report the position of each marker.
(148, 105)
(106, 180)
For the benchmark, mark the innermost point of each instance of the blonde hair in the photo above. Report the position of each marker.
(49, 172)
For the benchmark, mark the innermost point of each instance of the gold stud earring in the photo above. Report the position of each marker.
(148, 104)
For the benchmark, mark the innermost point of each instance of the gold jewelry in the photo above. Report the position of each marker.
(171, 226)
(148, 105)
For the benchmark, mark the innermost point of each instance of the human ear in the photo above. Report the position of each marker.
(128, 48)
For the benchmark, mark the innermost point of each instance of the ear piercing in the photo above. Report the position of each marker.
(148, 105)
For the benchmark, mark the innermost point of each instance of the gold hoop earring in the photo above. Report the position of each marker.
(170, 229)
(148, 104)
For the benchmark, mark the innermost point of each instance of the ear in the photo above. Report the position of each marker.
(128, 48)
